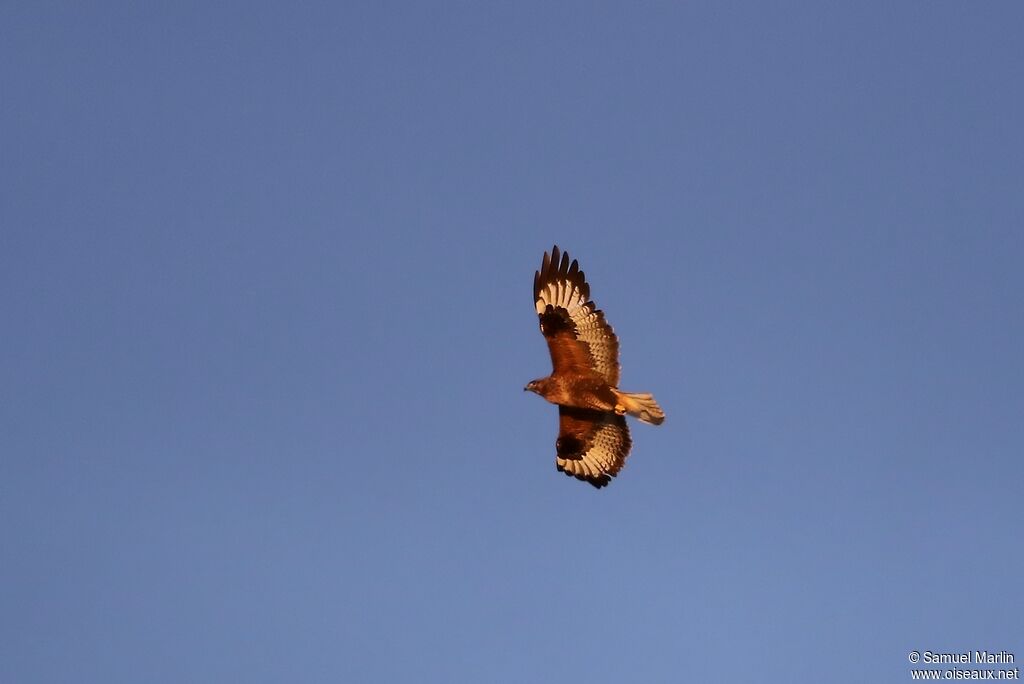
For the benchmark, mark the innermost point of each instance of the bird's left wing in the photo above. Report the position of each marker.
(578, 336)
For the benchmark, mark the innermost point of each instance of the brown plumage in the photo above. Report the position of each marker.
(593, 439)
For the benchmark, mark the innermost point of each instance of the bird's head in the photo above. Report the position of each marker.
(532, 386)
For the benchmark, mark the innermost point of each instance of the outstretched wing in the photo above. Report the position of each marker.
(592, 445)
(577, 334)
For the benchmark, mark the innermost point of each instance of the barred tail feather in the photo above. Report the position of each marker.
(641, 406)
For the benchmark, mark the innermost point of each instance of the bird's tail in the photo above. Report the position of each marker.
(640, 406)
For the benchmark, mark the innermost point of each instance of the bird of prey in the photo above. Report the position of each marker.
(593, 440)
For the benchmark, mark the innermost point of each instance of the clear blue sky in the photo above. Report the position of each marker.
(265, 291)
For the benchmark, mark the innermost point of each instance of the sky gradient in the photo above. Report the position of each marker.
(265, 287)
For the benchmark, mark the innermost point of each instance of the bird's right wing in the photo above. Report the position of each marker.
(592, 445)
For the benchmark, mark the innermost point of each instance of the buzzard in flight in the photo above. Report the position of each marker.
(593, 440)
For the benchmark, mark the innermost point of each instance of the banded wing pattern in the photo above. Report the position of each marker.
(566, 313)
(592, 445)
